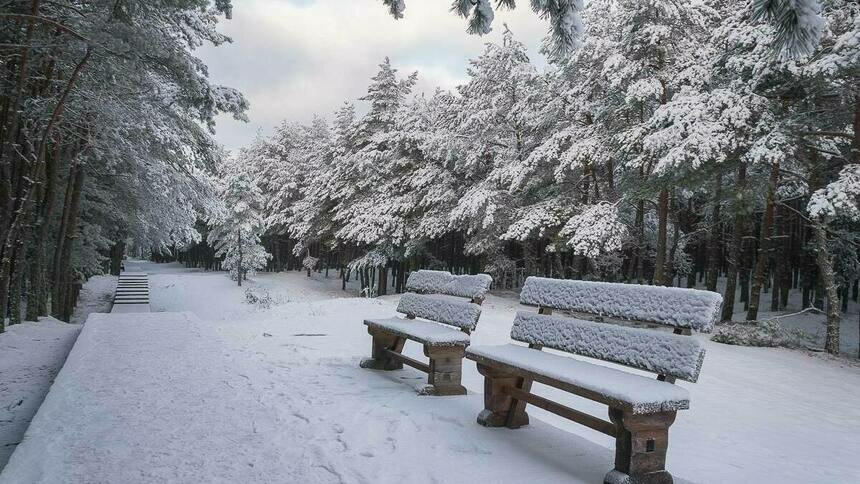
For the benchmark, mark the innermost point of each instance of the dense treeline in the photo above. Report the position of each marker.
(675, 146)
(105, 120)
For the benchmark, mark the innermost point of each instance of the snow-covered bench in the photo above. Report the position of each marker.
(641, 408)
(448, 307)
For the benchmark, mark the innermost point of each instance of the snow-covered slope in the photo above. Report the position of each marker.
(31, 354)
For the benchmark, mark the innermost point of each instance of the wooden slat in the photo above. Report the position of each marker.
(582, 392)
(589, 421)
(408, 361)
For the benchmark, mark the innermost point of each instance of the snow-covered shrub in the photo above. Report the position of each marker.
(259, 297)
(310, 263)
(765, 333)
(370, 260)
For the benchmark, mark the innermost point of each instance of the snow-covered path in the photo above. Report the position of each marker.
(275, 394)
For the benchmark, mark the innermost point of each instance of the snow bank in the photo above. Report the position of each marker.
(148, 397)
(448, 310)
(655, 351)
(96, 296)
(684, 308)
(31, 354)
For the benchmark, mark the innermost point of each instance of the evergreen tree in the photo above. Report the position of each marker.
(237, 225)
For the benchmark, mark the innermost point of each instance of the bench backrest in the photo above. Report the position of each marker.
(669, 355)
(445, 298)
(442, 309)
(672, 306)
(655, 351)
(443, 282)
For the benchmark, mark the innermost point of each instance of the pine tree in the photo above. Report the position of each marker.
(237, 226)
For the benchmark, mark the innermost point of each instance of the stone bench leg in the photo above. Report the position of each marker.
(379, 360)
(640, 447)
(500, 409)
(446, 368)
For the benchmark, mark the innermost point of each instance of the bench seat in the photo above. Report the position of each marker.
(424, 332)
(616, 388)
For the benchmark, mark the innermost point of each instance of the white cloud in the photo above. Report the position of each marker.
(295, 58)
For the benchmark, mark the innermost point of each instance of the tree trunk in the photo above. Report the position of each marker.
(382, 288)
(825, 266)
(15, 292)
(662, 221)
(714, 240)
(61, 239)
(734, 255)
(117, 251)
(9, 134)
(669, 272)
(637, 264)
(63, 278)
(239, 269)
(763, 246)
(37, 297)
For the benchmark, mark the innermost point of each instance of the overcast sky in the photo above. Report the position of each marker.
(295, 58)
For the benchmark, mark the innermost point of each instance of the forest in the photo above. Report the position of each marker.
(693, 144)
(105, 128)
(673, 147)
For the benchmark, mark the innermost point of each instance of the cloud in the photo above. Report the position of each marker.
(296, 58)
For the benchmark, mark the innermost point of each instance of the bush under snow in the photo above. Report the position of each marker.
(766, 333)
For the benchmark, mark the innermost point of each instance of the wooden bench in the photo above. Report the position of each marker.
(449, 308)
(641, 408)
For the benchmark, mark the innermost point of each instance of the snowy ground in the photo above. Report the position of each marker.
(31, 354)
(275, 395)
(96, 297)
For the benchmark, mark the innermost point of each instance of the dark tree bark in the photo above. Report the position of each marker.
(735, 252)
(662, 222)
(64, 285)
(763, 247)
(828, 279)
(37, 297)
(117, 252)
(714, 239)
(382, 287)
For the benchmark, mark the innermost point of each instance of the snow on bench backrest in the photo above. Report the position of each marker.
(443, 282)
(442, 309)
(646, 349)
(682, 308)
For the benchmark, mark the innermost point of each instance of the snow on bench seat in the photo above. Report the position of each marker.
(616, 388)
(679, 307)
(424, 332)
(654, 351)
(441, 308)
